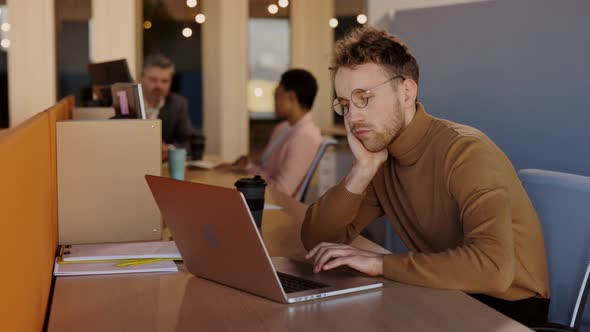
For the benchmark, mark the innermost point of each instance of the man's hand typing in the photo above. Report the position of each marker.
(326, 256)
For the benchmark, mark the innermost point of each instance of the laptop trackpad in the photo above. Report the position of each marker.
(339, 278)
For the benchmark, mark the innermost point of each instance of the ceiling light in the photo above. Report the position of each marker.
(187, 32)
(191, 3)
(273, 9)
(200, 18)
(361, 18)
(333, 23)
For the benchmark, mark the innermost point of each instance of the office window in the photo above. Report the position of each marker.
(4, 46)
(72, 26)
(173, 28)
(269, 54)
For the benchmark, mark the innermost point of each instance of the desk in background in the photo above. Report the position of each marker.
(335, 130)
(182, 302)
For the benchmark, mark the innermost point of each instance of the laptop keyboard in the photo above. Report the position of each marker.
(292, 284)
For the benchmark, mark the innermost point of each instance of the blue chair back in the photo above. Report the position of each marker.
(562, 202)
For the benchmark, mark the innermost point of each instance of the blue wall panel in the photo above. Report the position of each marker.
(516, 69)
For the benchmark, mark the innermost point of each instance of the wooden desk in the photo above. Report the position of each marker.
(182, 302)
(213, 177)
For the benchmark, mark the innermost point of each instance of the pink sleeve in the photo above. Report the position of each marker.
(298, 155)
(275, 131)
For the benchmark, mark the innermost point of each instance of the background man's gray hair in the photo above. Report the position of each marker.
(157, 60)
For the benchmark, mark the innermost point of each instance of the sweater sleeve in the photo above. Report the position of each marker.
(339, 216)
(476, 173)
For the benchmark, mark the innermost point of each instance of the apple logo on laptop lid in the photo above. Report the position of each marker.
(209, 236)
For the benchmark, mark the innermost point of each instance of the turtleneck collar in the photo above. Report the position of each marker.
(408, 146)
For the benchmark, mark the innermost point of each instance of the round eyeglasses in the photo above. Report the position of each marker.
(359, 97)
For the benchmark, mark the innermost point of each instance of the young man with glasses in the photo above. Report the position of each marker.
(450, 193)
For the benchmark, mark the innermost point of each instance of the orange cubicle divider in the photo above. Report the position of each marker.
(28, 218)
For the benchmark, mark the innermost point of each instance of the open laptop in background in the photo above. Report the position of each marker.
(218, 240)
(102, 76)
(109, 72)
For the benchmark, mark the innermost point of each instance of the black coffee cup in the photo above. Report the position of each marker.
(253, 190)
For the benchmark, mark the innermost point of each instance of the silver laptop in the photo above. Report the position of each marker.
(218, 240)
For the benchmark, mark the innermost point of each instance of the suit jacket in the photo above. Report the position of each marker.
(176, 123)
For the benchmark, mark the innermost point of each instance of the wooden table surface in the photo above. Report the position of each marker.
(183, 302)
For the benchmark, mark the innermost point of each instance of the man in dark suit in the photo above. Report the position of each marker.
(160, 103)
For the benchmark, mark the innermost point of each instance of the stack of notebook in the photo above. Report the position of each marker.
(116, 258)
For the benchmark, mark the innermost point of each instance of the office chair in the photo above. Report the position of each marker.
(562, 203)
(326, 141)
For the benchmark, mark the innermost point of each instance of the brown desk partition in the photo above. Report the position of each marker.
(102, 193)
(28, 218)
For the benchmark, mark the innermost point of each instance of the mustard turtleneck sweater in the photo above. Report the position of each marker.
(456, 202)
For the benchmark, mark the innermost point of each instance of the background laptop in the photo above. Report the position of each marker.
(109, 72)
(218, 240)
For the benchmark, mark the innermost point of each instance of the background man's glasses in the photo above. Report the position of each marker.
(359, 97)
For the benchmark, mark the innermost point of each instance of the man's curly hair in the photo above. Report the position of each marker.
(373, 45)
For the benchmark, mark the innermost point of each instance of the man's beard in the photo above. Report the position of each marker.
(380, 141)
(392, 125)
(157, 94)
